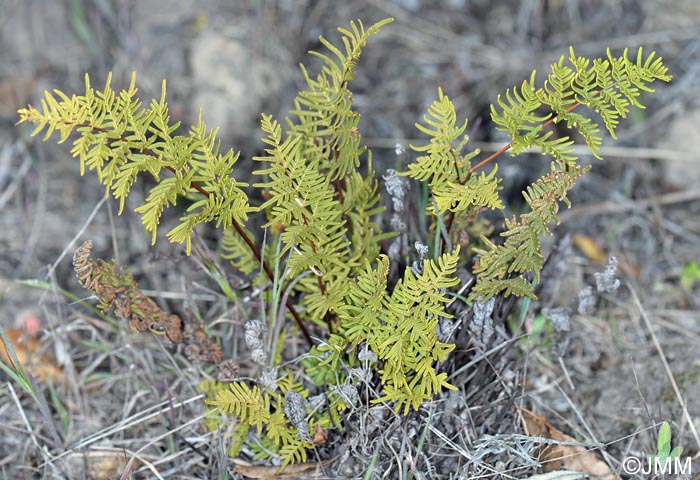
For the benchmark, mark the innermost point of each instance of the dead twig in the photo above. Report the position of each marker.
(617, 207)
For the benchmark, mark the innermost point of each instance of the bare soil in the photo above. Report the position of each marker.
(630, 364)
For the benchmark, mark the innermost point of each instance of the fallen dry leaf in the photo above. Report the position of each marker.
(563, 457)
(97, 464)
(590, 248)
(26, 348)
(295, 470)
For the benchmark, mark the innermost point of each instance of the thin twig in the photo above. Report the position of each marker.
(75, 238)
(617, 207)
(136, 419)
(580, 149)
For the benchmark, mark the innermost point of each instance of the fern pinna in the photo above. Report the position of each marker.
(322, 202)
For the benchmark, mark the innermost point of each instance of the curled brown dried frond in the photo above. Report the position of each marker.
(116, 289)
(199, 347)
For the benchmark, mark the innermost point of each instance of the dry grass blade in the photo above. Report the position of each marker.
(617, 207)
(667, 368)
(564, 453)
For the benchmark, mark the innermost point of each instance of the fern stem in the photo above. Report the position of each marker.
(505, 148)
(491, 157)
(448, 226)
(319, 278)
(341, 197)
(270, 275)
(454, 160)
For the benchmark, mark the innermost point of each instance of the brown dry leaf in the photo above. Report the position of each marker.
(590, 248)
(295, 470)
(563, 457)
(42, 366)
(595, 253)
(99, 464)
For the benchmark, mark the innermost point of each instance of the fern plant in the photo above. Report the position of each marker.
(322, 202)
(608, 86)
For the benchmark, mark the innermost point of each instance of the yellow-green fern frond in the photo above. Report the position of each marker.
(120, 140)
(446, 165)
(303, 204)
(478, 191)
(250, 405)
(502, 267)
(400, 328)
(236, 250)
(325, 118)
(294, 452)
(609, 86)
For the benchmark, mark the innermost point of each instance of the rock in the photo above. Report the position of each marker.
(684, 170)
(234, 70)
